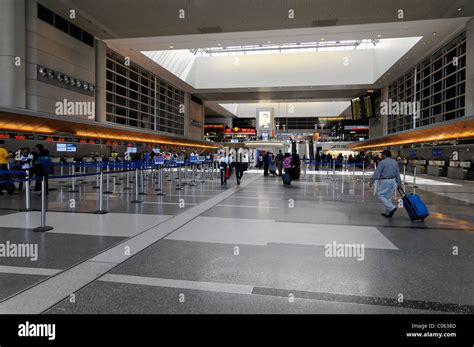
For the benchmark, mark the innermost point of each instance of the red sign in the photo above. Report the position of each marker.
(240, 131)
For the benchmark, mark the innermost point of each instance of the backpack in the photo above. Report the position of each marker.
(287, 163)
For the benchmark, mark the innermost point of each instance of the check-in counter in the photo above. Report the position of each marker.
(54, 169)
(411, 164)
(437, 168)
(421, 167)
(460, 170)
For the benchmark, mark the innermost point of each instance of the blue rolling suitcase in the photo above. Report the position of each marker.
(286, 178)
(414, 206)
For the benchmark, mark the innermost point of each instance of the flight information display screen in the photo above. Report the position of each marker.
(362, 107)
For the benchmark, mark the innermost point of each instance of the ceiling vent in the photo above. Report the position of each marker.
(210, 30)
(324, 22)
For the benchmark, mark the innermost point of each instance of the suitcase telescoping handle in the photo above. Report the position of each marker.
(401, 191)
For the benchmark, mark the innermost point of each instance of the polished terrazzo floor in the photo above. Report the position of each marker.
(255, 248)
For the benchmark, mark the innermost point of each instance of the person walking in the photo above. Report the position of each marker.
(387, 176)
(279, 162)
(223, 164)
(26, 159)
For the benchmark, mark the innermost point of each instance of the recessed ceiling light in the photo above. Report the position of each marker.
(322, 38)
(171, 46)
(219, 44)
(424, 42)
(434, 33)
(379, 36)
(269, 41)
(459, 9)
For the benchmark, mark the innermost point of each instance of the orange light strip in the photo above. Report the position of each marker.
(463, 135)
(47, 130)
(140, 139)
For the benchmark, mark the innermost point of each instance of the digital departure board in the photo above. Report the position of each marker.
(362, 107)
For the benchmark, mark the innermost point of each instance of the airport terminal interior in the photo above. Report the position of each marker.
(236, 157)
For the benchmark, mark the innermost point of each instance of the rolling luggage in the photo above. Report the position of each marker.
(8, 186)
(414, 206)
(286, 178)
(272, 168)
(227, 172)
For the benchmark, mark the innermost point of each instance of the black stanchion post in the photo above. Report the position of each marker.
(43, 227)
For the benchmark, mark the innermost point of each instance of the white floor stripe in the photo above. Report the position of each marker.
(261, 232)
(246, 206)
(28, 270)
(181, 284)
(110, 224)
(166, 203)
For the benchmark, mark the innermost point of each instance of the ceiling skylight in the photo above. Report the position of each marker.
(302, 47)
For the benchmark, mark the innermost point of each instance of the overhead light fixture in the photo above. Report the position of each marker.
(434, 33)
(171, 46)
(59, 77)
(219, 44)
(424, 42)
(85, 86)
(379, 36)
(459, 9)
(50, 73)
(269, 41)
(66, 79)
(91, 87)
(42, 71)
(322, 39)
(78, 84)
(73, 82)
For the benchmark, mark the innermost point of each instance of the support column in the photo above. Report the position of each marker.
(469, 98)
(100, 81)
(12, 53)
(187, 113)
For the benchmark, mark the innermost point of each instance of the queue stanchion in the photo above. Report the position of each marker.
(73, 179)
(27, 191)
(120, 175)
(353, 171)
(193, 175)
(327, 170)
(127, 178)
(142, 182)
(202, 173)
(160, 175)
(333, 170)
(107, 179)
(414, 179)
(179, 187)
(101, 194)
(61, 172)
(136, 201)
(363, 171)
(43, 227)
(404, 173)
(97, 183)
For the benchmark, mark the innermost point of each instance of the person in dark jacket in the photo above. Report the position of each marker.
(41, 167)
(266, 163)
